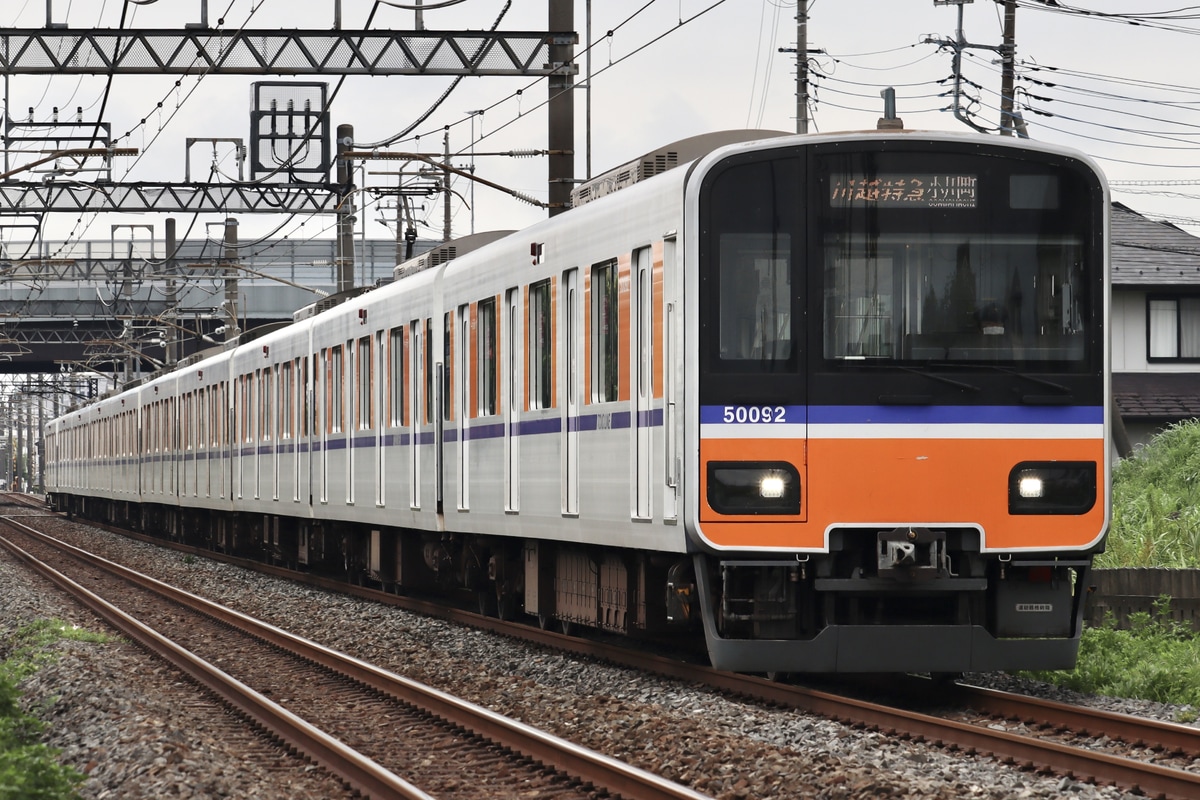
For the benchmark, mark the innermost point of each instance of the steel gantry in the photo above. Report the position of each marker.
(59, 51)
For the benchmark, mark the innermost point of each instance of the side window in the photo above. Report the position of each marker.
(363, 376)
(428, 370)
(541, 363)
(247, 409)
(487, 357)
(266, 402)
(286, 401)
(447, 365)
(604, 333)
(396, 376)
(336, 388)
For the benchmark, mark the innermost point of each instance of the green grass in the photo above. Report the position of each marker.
(1156, 659)
(1155, 523)
(1156, 504)
(30, 770)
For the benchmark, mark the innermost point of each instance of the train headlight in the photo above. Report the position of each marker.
(1031, 486)
(1052, 487)
(753, 487)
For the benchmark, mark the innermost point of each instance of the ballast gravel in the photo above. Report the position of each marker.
(139, 730)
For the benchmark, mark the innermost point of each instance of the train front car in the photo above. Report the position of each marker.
(902, 459)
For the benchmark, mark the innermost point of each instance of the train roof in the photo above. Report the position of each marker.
(662, 159)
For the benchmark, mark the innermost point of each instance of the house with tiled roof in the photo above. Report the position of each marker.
(1155, 326)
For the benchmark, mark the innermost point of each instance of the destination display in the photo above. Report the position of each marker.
(908, 190)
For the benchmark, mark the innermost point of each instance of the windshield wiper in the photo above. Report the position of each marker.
(896, 399)
(1064, 392)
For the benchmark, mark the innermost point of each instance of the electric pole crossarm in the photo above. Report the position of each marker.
(57, 51)
(222, 198)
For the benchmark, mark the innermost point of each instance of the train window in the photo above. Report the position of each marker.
(428, 342)
(308, 397)
(604, 332)
(246, 408)
(756, 297)
(487, 357)
(396, 376)
(363, 376)
(267, 402)
(336, 388)
(447, 365)
(541, 364)
(286, 400)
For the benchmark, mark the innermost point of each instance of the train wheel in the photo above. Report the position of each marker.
(487, 602)
(506, 605)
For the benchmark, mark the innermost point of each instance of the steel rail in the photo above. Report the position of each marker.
(1169, 737)
(1062, 759)
(579, 762)
(360, 772)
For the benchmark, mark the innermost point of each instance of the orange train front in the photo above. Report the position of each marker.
(900, 417)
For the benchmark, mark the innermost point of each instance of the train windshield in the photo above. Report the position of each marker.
(968, 259)
(925, 296)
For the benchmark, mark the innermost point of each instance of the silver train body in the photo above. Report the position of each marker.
(735, 398)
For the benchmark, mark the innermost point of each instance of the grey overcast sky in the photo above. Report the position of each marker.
(1114, 78)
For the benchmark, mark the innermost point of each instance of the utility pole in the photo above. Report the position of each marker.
(960, 43)
(561, 108)
(802, 66)
(231, 280)
(1009, 120)
(802, 53)
(446, 231)
(345, 211)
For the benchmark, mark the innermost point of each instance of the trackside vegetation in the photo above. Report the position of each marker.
(1156, 523)
(30, 770)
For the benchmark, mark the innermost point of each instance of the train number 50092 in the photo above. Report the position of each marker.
(737, 414)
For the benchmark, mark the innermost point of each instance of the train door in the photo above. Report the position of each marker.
(671, 355)
(417, 363)
(227, 439)
(258, 405)
(511, 370)
(462, 404)
(300, 392)
(437, 409)
(379, 389)
(643, 389)
(308, 401)
(275, 417)
(239, 408)
(572, 341)
(321, 432)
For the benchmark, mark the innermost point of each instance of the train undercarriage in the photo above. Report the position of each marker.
(901, 600)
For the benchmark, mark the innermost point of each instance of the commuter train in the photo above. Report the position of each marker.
(836, 403)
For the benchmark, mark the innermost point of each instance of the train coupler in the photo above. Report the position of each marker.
(912, 554)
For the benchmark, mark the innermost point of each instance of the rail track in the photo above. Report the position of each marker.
(478, 753)
(1155, 758)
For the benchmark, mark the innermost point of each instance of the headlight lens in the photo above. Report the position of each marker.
(1052, 487)
(753, 487)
